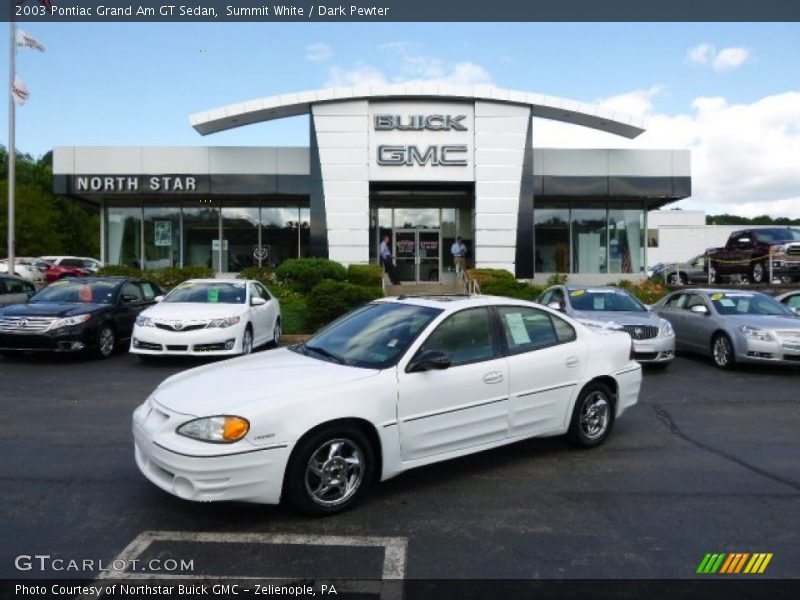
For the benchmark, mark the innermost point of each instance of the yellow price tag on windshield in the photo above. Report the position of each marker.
(576, 293)
(717, 296)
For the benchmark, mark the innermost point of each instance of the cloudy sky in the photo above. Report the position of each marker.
(728, 92)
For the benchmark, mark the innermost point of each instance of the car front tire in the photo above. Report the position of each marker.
(329, 471)
(722, 351)
(276, 332)
(247, 341)
(593, 416)
(106, 342)
(758, 272)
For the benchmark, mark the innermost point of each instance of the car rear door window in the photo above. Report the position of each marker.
(149, 290)
(466, 337)
(131, 289)
(527, 329)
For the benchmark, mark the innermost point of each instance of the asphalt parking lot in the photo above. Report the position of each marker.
(707, 462)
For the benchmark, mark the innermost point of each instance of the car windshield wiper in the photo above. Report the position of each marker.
(325, 353)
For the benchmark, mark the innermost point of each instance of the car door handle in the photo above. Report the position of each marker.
(572, 362)
(493, 377)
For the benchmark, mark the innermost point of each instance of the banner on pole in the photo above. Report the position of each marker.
(19, 92)
(25, 40)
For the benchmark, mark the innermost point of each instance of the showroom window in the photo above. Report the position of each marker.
(625, 239)
(162, 237)
(589, 232)
(551, 232)
(124, 236)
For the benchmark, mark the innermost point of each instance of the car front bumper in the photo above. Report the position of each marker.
(205, 472)
(200, 342)
(781, 350)
(654, 350)
(66, 339)
(629, 383)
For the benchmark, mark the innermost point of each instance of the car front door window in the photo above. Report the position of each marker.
(466, 337)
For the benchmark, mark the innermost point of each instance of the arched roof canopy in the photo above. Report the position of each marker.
(290, 105)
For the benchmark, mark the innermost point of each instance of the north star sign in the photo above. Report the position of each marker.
(136, 183)
(440, 155)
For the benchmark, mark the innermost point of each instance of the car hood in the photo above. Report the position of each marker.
(52, 309)
(618, 317)
(193, 310)
(230, 386)
(764, 321)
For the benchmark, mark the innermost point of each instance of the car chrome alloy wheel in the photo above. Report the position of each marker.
(758, 272)
(334, 472)
(247, 342)
(594, 415)
(722, 351)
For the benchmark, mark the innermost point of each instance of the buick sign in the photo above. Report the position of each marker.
(420, 123)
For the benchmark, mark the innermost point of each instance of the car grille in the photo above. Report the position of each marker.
(790, 335)
(180, 326)
(793, 249)
(147, 346)
(25, 324)
(641, 332)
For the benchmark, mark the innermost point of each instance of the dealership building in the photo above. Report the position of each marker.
(422, 163)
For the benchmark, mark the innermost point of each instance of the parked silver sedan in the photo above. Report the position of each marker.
(733, 326)
(614, 308)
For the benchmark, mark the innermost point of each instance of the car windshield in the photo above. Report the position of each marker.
(208, 293)
(748, 304)
(604, 300)
(373, 336)
(778, 235)
(97, 292)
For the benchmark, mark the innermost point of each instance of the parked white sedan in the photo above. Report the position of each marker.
(395, 384)
(209, 317)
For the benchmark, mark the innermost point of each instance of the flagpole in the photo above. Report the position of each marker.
(12, 151)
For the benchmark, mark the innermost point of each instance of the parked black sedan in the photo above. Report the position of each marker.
(86, 314)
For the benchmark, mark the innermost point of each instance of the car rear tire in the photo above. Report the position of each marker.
(106, 342)
(329, 470)
(722, 351)
(712, 275)
(593, 416)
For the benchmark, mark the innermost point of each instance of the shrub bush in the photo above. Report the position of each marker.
(119, 271)
(331, 299)
(557, 279)
(169, 277)
(303, 274)
(367, 275)
(484, 275)
(512, 288)
(646, 291)
(263, 275)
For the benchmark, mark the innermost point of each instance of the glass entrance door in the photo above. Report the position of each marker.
(417, 254)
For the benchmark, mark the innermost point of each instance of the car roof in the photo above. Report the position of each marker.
(214, 280)
(453, 302)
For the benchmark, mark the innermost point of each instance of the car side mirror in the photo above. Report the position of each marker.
(30, 295)
(128, 298)
(257, 301)
(430, 360)
(555, 306)
(158, 298)
(699, 309)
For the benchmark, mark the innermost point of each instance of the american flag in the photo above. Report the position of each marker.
(626, 258)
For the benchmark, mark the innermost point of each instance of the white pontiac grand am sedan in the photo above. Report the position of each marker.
(216, 317)
(395, 384)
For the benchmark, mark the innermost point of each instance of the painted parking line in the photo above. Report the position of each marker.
(393, 567)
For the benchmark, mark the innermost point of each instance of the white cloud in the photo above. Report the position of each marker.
(730, 58)
(701, 54)
(706, 55)
(318, 52)
(744, 156)
(405, 63)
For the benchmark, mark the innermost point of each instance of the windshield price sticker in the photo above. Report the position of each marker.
(576, 293)
(213, 294)
(717, 296)
(519, 332)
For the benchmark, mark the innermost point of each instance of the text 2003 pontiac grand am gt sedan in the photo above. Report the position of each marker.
(395, 384)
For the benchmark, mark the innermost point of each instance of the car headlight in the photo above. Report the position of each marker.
(224, 429)
(779, 249)
(754, 333)
(666, 330)
(226, 322)
(70, 321)
(142, 321)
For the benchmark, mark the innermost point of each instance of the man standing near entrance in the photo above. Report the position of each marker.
(388, 263)
(459, 251)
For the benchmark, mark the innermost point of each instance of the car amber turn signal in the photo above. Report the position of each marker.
(234, 429)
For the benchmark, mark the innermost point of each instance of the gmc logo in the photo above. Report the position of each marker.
(451, 155)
